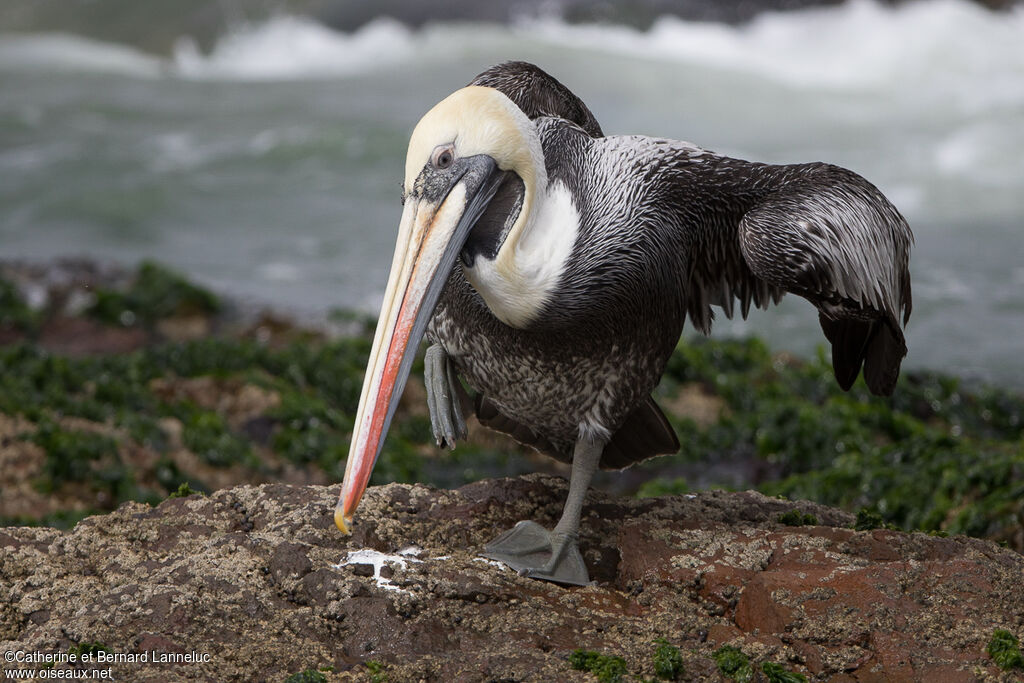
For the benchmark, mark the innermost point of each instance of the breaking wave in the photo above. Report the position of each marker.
(289, 47)
(62, 52)
(857, 44)
(860, 44)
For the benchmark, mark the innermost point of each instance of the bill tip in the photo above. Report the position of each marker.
(341, 522)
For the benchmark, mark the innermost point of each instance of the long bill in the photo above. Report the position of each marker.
(430, 237)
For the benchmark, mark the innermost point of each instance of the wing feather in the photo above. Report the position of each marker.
(826, 234)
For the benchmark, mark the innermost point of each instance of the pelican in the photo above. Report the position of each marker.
(551, 269)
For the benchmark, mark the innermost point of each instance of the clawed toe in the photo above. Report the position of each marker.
(444, 394)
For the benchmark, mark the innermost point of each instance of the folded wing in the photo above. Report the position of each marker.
(821, 232)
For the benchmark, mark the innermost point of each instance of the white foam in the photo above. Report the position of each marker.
(290, 47)
(980, 152)
(858, 44)
(60, 52)
(953, 49)
(280, 271)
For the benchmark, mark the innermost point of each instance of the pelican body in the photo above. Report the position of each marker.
(552, 268)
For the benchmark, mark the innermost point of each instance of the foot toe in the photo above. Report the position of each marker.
(527, 549)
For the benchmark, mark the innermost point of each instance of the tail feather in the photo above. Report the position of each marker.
(885, 352)
(645, 434)
(877, 345)
(849, 338)
(489, 416)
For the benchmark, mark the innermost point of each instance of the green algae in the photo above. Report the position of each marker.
(86, 458)
(796, 518)
(156, 292)
(668, 661)
(776, 673)
(318, 389)
(869, 519)
(376, 669)
(607, 668)
(70, 453)
(733, 664)
(184, 491)
(939, 456)
(206, 433)
(1004, 649)
(307, 676)
(15, 313)
(88, 649)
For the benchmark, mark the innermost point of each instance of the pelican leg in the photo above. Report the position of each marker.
(444, 397)
(535, 552)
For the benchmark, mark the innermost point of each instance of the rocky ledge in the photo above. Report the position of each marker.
(254, 583)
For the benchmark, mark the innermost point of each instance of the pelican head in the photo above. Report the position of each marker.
(472, 174)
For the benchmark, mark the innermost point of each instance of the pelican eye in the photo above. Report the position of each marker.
(443, 156)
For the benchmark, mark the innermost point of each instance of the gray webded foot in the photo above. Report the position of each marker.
(444, 397)
(535, 552)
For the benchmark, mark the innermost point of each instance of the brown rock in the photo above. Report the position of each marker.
(84, 336)
(185, 327)
(254, 583)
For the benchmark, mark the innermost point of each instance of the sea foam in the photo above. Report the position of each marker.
(62, 52)
(958, 48)
(858, 44)
(288, 47)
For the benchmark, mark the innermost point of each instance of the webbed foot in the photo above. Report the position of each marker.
(444, 397)
(537, 553)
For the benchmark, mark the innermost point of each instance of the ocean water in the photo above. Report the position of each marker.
(270, 166)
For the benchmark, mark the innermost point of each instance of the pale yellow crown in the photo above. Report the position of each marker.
(479, 120)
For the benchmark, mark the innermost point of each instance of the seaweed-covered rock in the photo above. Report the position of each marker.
(254, 583)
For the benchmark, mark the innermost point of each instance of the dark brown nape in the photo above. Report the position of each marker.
(538, 93)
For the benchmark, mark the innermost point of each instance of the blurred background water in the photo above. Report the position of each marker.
(264, 157)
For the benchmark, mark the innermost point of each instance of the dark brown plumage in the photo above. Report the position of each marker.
(538, 93)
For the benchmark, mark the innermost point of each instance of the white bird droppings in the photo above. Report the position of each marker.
(378, 560)
(493, 563)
